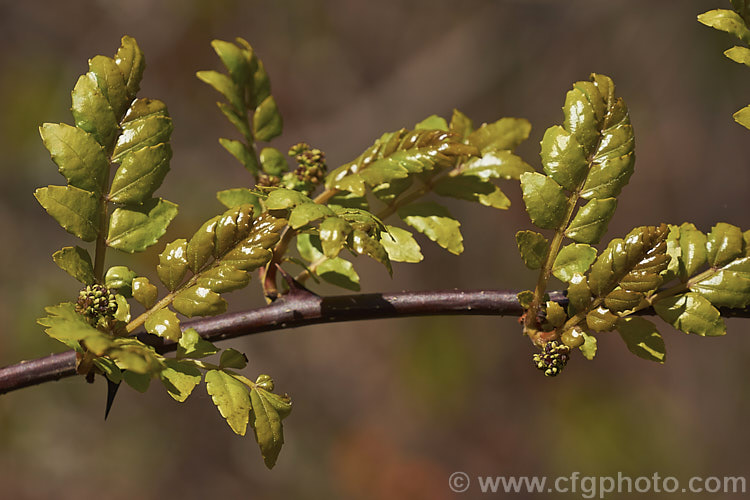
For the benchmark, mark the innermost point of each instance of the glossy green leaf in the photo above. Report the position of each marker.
(724, 244)
(506, 133)
(173, 264)
(743, 117)
(472, 188)
(120, 278)
(432, 122)
(691, 313)
(339, 272)
(461, 124)
(633, 263)
(225, 86)
(601, 319)
(306, 213)
(80, 158)
(728, 21)
(144, 132)
(143, 108)
(729, 286)
(497, 164)
(179, 378)
(739, 55)
(555, 314)
(123, 309)
(224, 278)
(363, 244)
(192, 345)
(144, 292)
(588, 348)
(693, 255)
(642, 339)
(199, 301)
(235, 197)
(268, 411)
(231, 398)
(241, 152)
(165, 324)
(111, 83)
(435, 222)
(545, 200)
(273, 161)
(133, 229)
(200, 248)
(591, 221)
(140, 174)
(563, 158)
(76, 210)
(135, 356)
(92, 112)
(584, 109)
(235, 118)
(573, 259)
(235, 59)
(533, 248)
(129, 59)
(399, 243)
(76, 262)
(232, 358)
(334, 232)
(579, 293)
(281, 198)
(267, 121)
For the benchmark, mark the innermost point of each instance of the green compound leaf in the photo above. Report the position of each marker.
(120, 278)
(133, 229)
(339, 272)
(432, 122)
(135, 356)
(461, 124)
(63, 323)
(235, 59)
(691, 313)
(563, 158)
(238, 120)
(232, 358)
(435, 222)
(199, 301)
(504, 134)
(588, 348)
(129, 59)
(743, 117)
(579, 294)
(601, 320)
(573, 259)
(231, 398)
(533, 248)
(724, 244)
(399, 243)
(268, 411)
(739, 55)
(80, 158)
(728, 21)
(306, 213)
(333, 232)
(273, 161)
(224, 278)
(728, 286)
(144, 292)
(92, 112)
(111, 83)
(242, 152)
(142, 131)
(224, 85)
(138, 381)
(280, 199)
(472, 188)
(192, 345)
(173, 264)
(165, 324)
(267, 122)
(591, 221)
(642, 339)
(179, 378)
(76, 210)
(545, 200)
(363, 244)
(497, 165)
(140, 174)
(76, 262)
(693, 255)
(235, 197)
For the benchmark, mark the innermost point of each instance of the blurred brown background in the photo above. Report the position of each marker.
(383, 409)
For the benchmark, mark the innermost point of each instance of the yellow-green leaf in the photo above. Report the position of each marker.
(173, 264)
(533, 248)
(504, 134)
(179, 378)
(333, 234)
(268, 411)
(231, 398)
(591, 221)
(563, 158)
(80, 158)
(691, 313)
(642, 339)
(728, 21)
(76, 262)
(435, 222)
(573, 259)
(140, 174)
(133, 229)
(92, 112)
(76, 210)
(399, 243)
(165, 324)
(267, 121)
(199, 301)
(545, 201)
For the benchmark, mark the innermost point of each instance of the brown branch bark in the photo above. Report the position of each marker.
(301, 308)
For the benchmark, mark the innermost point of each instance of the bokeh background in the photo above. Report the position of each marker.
(383, 409)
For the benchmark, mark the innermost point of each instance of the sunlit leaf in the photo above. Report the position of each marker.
(506, 133)
(199, 301)
(400, 245)
(497, 164)
(140, 174)
(240, 151)
(224, 278)
(724, 244)
(231, 398)
(306, 213)
(232, 358)
(165, 324)
(76, 210)
(533, 248)
(591, 221)
(642, 339)
(435, 222)
(92, 112)
(545, 200)
(728, 286)
(334, 232)
(432, 122)
(268, 411)
(267, 121)
(76, 262)
(179, 378)
(573, 259)
(726, 20)
(192, 345)
(133, 229)
(80, 158)
(563, 158)
(691, 313)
